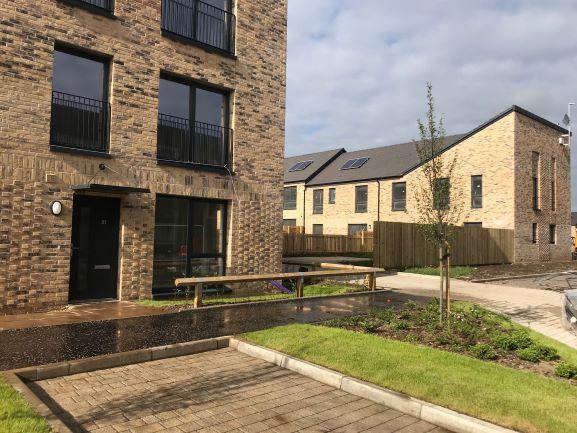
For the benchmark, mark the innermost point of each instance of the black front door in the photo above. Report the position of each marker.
(94, 261)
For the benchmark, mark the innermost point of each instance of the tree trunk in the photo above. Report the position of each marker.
(448, 285)
(441, 265)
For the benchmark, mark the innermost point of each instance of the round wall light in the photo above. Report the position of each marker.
(56, 207)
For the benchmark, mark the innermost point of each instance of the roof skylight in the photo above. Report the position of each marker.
(300, 166)
(354, 163)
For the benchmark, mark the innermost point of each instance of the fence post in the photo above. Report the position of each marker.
(197, 295)
(300, 286)
(373, 281)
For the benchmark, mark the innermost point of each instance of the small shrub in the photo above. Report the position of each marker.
(566, 370)
(369, 325)
(521, 339)
(400, 325)
(483, 351)
(537, 352)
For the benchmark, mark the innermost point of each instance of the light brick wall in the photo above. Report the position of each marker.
(501, 154)
(298, 213)
(34, 245)
(336, 217)
(533, 136)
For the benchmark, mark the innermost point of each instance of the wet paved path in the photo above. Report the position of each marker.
(47, 344)
(535, 308)
(217, 391)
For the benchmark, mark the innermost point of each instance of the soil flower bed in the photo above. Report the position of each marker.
(471, 331)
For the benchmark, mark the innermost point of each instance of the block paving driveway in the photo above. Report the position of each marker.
(217, 391)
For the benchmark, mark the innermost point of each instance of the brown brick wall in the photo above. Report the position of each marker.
(34, 245)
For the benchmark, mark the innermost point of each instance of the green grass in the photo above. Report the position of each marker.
(520, 400)
(456, 271)
(312, 290)
(16, 416)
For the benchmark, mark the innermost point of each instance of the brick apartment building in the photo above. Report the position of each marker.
(512, 173)
(141, 141)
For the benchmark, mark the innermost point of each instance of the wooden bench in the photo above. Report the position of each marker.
(199, 282)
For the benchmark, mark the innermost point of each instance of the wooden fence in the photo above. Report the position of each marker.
(298, 244)
(402, 245)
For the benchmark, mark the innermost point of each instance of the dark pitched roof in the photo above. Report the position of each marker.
(400, 159)
(574, 218)
(384, 162)
(320, 161)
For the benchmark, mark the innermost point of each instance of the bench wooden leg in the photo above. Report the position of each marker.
(300, 287)
(197, 295)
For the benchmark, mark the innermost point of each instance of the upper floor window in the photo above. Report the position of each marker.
(192, 124)
(536, 172)
(399, 196)
(290, 198)
(552, 234)
(332, 195)
(318, 201)
(535, 233)
(361, 198)
(476, 191)
(80, 112)
(442, 194)
(209, 22)
(553, 184)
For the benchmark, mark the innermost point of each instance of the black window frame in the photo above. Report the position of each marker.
(285, 201)
(106, 61)
(475, 224)
(315, 229)
(395, 202)
(476, 199)
(179, 37)
(535, 233)
(318, 208)
(193, 86)
(349, 226)
(552, 234)
(87, 5)
(553, 184)
(536, 180)
(332, 195)
(360, 206)
(189, 255)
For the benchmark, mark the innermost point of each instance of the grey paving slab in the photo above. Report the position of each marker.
(218, 391)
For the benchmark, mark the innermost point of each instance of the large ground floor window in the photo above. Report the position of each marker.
(189, 240)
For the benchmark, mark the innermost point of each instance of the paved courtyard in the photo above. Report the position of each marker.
(217, 391)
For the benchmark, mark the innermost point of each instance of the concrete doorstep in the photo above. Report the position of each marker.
(434, 414)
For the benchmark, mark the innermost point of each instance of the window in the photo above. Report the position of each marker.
(80, 111)
(356, 229)
(317, 229)
(535, 233)
(208, 22)
(476, 192)
(442, 194)
(536, 168)
(332, 195)
(290, 198)
(318, 201)
(553, 184)
(105, 6)
(399, 196)
(189, 240)
(192, 124)
(552, 234)
(300, 166)
(354, 163)
(361, 198)
(289, 222)
(475, 224)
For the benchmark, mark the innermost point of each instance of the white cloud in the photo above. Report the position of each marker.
(357, 68)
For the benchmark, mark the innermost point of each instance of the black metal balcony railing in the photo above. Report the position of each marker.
(107, 5)
(78, 122)
(201, 22)
(203, 144)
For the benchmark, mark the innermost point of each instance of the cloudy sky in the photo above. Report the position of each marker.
(357, 68)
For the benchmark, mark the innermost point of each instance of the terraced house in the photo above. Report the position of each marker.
(512, 172)
(141, 141)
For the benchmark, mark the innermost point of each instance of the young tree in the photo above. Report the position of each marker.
(438, 214)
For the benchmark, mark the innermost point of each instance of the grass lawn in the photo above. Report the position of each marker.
(456, 271)
(16, 416)
(520, 400)
(312, 290)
